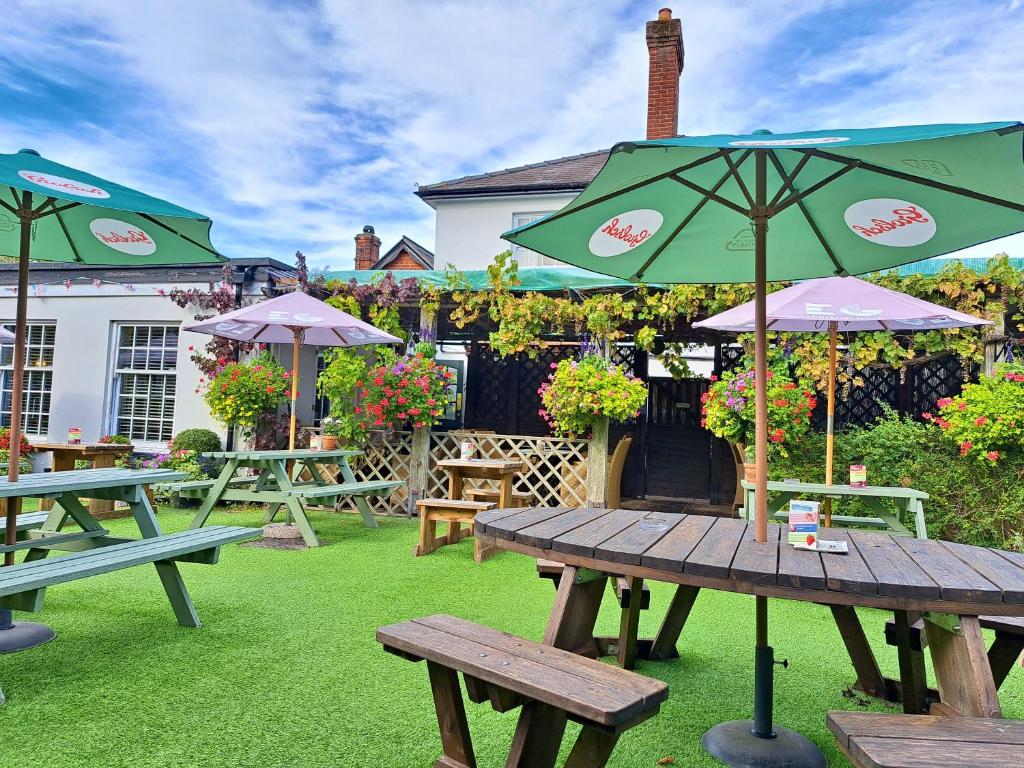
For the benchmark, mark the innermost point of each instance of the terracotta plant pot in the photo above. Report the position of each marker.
(750, 472)
(328, 442)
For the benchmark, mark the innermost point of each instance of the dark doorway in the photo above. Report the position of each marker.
(678, 448)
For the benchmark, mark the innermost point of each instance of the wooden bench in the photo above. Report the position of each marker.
(493, 495)
(26, 522)
(456, 513)
(551, 686)
(363, 488)
(626, 644)
(872, 740)
(193, 489)
(23, 586)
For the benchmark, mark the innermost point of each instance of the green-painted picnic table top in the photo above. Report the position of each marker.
(304, 454)
(55, 483)
(893, 492)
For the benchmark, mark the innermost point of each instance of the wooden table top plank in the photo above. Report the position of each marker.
(754, 562)
(502, 466)
(482, 520)
(919, 753)
(713, 555)
(540, 534)
(929, 727)
(629, 545)
(799, 568)
(45, 483)
(895, 571)
(284, 455)
(880, 491)
(956, 579)
(849, 572)
(83, 447)
(1001, 571)
(583, 540)
(671, 551)
(506, 527)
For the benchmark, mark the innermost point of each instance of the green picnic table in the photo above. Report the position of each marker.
(276, 484)
(908, 501)
(91, 549)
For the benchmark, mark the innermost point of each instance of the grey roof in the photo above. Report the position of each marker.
(243, 269)
(419, 254)
(566, 174)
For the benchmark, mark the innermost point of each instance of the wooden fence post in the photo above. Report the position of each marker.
(419, 464)
(597, 465)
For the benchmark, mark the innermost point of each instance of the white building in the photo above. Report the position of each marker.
(106, 352)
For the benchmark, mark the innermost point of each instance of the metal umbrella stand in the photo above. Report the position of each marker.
(695, 209)
(68, 215)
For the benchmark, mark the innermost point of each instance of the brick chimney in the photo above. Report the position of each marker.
(665, 45)
(367, 248)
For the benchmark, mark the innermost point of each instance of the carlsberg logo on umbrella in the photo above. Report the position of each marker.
(892, 222)
(122, 236)
(625, 232)
(67, 186)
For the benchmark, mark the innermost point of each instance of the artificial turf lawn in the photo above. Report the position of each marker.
(286, 670)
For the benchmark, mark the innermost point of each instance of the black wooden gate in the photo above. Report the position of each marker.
(678, 448)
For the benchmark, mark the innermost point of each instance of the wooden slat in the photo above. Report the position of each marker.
(507, 527)
(53, 483)
(894, 570)
(914, 753)
(321, 457)
(957, 580)
(799, 568)
(875, 491)
(847, 725)
(629, 545)
(756, 563)
(1001, 571)
(713, 555)
(491, 516)
(26, 521)
(671, 551)
(343, 489)
(847, 573)
(541, 534)
(568, 688)
(583, 540)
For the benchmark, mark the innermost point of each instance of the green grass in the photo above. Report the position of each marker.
(286, 671)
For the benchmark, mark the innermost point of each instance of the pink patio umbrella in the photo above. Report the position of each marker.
(836, 304)
(294, 318)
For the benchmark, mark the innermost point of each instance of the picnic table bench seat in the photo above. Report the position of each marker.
(872, 740)
(551, 685)
(194, 488)
(360, 488)
(26, 521)
(454, 512)
(23, 585)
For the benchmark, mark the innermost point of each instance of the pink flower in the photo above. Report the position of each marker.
(992, 455)
(926, 416)
(944, 401)
(981, 421)
(965, 447)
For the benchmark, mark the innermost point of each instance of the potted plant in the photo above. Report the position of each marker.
(581, 394)
(728, 412)
(244, 394)
(332, 430)
(410, 391)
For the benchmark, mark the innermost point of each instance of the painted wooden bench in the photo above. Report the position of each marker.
(194, 489)
(360, 488)
(872, 740)
(551, 685)
(26, 521)
(456, 513)
(626, 644)
(493, 495)
(23, 586)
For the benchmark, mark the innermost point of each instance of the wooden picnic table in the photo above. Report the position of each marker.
(277, 484)
(22, 585)
(908, 501)
(951, 585)
(502, 470)
(99, 455)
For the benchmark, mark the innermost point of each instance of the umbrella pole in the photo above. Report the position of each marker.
(830, 438)
(21, 635)
(295, 387)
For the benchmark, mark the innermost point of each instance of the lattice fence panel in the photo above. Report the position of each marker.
(556, 472)
(385, 457)
(937, 378)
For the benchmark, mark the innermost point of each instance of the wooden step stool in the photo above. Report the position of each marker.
(493, 495)
(551, 685)
(454, 512)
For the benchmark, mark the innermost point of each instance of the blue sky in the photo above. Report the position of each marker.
(294, 123)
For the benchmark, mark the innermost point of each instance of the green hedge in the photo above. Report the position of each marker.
(971, 501)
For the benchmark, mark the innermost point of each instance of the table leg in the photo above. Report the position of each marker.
(664, 646)
(59, 462)
(360, 501)
(913, 677)
(102, 461)
(505, 492)
(538, 736)
(451, 716)
(869, 676)
(629, 623)
(294, 506)
(216, 491)
(577, 602)
(961, 665)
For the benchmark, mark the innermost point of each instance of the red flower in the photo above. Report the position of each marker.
(944, 401)
(965, 447)
(780, 402)
(981, 421)
(789, 385)
(992, 455)
(271, 389)
(713, 377)
(961, 406)
(926, 416)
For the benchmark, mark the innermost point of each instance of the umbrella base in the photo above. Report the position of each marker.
(22, 635)
(735, 744)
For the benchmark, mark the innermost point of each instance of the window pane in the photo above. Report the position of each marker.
(144, 379)
(38, 380)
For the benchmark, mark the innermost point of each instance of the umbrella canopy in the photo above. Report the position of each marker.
(6, 337)
(294, 318)
(849, 302)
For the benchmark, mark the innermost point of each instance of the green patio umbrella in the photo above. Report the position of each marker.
(50, 212)
(760, 207)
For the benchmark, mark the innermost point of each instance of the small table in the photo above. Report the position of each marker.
(502, 470)
(100, 455)
(275, 478)
(908, 501)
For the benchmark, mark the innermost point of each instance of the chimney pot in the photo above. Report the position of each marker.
(665, 14)
(665, 46)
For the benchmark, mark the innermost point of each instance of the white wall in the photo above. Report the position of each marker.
(468, 231)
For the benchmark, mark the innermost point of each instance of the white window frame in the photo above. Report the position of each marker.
(524, 257)
(165, 430)
(38, 382)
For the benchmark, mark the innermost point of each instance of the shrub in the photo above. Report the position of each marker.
(243, 393)
(115, 440)
(5, 441)
(344, 371)
(408, 390)
(180, 461)
(198, 440)
(986, 420)
(578, 393)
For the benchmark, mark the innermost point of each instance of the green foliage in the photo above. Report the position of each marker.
(115, 440)
(579, 393)
(986, 420)
(970, 501)
(728, 409)
(181, 461)
(198, 440)
(243, 393)
(343, 371)
(409, 390)
(674, 360)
